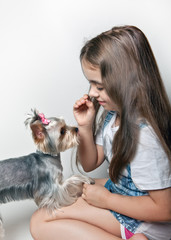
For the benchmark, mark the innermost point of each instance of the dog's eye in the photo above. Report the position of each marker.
(63, 131)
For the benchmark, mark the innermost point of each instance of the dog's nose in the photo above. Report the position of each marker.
(76, 130)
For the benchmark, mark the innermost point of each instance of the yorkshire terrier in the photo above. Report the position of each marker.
(39, 175)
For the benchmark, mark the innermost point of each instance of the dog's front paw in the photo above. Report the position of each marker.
(74, 184)
(87, 180)
(91, 180)
(83, 179)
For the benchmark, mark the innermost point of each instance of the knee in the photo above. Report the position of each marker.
(35, 225)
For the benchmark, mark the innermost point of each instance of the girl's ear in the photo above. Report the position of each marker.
(38, 132)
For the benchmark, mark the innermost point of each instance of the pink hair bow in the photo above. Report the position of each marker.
(43, 119)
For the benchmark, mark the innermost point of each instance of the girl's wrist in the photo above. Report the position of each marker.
(85, 128)
(85, 132)
(109, 197)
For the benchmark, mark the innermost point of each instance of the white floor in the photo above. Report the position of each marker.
(16, 219)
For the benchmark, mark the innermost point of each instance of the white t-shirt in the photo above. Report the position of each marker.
(150, 168)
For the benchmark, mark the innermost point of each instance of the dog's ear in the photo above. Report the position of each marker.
(38, 132)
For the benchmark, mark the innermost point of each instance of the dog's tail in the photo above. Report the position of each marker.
(2, 232)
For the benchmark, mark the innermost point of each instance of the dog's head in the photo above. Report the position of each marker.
(51, 135)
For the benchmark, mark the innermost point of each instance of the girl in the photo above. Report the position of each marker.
(134, 137)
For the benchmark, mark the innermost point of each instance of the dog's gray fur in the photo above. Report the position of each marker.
(39, 175)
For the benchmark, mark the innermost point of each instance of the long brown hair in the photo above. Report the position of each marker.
(131, 78)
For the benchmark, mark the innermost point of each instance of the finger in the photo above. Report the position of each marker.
(84, 190)
(83, 196)
(85, 185)
(89, 103)
(86, 96)
(75, 106)
(79, 103)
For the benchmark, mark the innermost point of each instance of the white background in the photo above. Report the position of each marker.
(40, 42)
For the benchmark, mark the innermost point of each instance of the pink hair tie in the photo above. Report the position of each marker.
(43, 119)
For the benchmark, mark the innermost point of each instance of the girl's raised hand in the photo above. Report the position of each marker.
(84, 111)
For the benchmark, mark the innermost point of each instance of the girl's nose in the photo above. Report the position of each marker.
(93, 92)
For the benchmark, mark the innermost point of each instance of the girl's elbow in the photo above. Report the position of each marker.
(87, 169)
(169, 215)
(34, 226)
(165, 216)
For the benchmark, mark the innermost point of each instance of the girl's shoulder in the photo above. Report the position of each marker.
(147, 136)
(150, 168)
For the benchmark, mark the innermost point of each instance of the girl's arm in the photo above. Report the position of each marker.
(90, 154)
(154, 207)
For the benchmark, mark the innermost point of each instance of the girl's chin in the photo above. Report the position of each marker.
(106, 106)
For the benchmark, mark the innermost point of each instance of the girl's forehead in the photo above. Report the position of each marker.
(87, 64)
(92, 73)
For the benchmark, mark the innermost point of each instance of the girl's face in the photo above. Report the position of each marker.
(97, 90)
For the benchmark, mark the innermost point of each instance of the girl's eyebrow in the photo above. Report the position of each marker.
(95, 82)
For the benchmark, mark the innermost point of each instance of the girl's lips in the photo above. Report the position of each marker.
(101, 102)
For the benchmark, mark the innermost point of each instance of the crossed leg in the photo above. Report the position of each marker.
(75, 222)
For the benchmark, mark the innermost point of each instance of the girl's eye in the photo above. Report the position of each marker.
(63, 131)
(100, 88)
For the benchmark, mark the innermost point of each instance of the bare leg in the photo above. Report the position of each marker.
(74, 230)
(71, 229)
(80, 211)
(79, 219)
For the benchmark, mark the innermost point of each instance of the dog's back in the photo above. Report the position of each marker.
(20, 177)
(15, 174)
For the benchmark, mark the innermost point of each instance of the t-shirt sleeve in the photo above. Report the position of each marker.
(151, 168)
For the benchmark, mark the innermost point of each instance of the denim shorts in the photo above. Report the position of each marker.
(129, 223)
